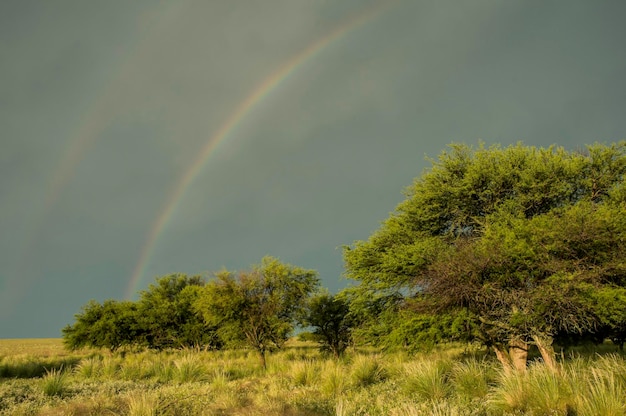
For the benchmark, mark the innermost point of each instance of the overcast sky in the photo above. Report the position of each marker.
(106, 105)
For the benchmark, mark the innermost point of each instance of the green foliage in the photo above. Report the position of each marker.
(167, 317)
(109, 325)
(391, 322)
(530, 242)
(164, 317)
(257, 308)
(328, 315)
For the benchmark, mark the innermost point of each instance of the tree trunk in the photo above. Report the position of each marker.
(503, 357)
(515, 358)
(518, 350)
(262, 357)
(544, 344)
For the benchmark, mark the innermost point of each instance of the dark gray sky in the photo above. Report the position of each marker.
(104, 106)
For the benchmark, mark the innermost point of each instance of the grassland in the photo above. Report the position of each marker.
(38, 377)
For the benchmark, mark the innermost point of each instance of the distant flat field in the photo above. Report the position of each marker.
(41, 347)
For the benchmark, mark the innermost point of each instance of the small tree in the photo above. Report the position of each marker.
(164, 317)
(109, 325)
(257, 308)
(328, 315)
(167, 318)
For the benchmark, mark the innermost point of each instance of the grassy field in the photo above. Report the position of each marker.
(38, 377)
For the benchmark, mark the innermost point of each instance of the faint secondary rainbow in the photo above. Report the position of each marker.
(95, 120)
(257, 95)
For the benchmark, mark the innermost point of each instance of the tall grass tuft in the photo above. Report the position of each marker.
(471, 379)
(142, 404)
(131, 371)
(605, 395)
(333, 379)
(88, 367)
(428, 380)
(511, 394)
(367, 370)
(109, 368)
(135, 367)
(54, 383)
(304, 373)
(219, 380)
(550, 392)
(612, 364)
(538, 391)
(162, 371)
(189, 369)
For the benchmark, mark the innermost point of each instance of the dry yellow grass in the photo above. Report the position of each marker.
(40, 347)
(38, 377)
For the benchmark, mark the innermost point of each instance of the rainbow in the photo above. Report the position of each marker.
(257, 95)
(96, 119)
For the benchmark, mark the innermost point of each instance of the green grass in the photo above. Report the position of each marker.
(46, 380)
(366, 370)
(428, 380)
(54, 383)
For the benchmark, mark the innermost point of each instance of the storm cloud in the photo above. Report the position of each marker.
(104, 107)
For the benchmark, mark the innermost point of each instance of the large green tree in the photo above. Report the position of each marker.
(167, 317)
(260, 307)
(528, 242)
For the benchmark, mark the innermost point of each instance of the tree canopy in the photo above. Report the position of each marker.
(260, 307)
(529, 242)
(328, 315)
(166, 316)
(111, 325)
(163, 317)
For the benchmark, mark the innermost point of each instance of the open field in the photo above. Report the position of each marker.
(38, 377)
